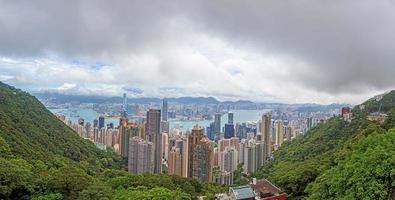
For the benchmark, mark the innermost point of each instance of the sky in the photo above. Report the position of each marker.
(305, 51)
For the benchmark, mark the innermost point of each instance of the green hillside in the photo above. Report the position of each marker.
(43, 159)
(339, 159)
(34, 133)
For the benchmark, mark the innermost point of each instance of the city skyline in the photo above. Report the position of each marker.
(314, 53)
(197, 99)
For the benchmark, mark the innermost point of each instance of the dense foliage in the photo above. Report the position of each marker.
(339, 159)
(43, 159)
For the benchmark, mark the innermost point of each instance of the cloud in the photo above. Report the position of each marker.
(67, 86)
(289, 51)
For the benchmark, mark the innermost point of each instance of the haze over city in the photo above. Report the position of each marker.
(264, 51)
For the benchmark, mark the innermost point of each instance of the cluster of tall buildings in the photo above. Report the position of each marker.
(211, 154)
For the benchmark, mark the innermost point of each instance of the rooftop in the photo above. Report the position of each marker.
(242, 192)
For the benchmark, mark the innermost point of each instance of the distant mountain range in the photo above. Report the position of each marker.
(67, 98)
(57, 98)
(64, 98)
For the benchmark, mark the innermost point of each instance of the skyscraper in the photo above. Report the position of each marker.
(230, 118)
(164, 110)
(101, 122)
(228, 159)
(288, 132)
(175, 161)
(164, 125)
(260, 152)
(210, 131)
(124, 106)
(81, 121)
(309, 123)
(95, 123)
(165, 145)
(140, 159)
(124, 141)
(265, 129)
(200, 153)
(153, 134)
(229, 131)
(217, 125)
(249, 157)
(279, 128)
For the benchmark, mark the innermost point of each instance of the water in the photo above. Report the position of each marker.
(239, 116)
(88, 114)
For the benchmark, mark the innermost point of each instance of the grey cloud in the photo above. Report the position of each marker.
(344, 45)
(347, 45)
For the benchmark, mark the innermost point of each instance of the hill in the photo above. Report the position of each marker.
(34, 133)
(66, 98)
(340, 159)
(43, 159)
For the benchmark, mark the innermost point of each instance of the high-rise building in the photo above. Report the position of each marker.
(164, 110)
(101, 122)
(215, 156)
(229, 131)
(81, 121)
(140, 159)
(124, 106)
(110, 125)
(309, 123)
(279, 129)
(241, 130)
(217, 125)
(288, 132)
(164, 126)
(228, 159)
(265, 129)
(224, 178)
(183, 145)
(260, 153)
(95, 134)
(178, 146)
(249, 157)
(153, 134)
(243, 144)
(109, 137)
(124, 141)
(95, 123)
(222, 144)
(175, 162)
(141, 133)
(230, 118)
(211, 131)
(88, 129)
(200, 154)
(165, 145)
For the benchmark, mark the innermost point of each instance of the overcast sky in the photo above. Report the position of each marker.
(283, 51)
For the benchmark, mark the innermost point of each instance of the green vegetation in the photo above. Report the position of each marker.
(43, 159)
(338, 159)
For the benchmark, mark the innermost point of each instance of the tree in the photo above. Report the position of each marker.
(157, 193)
(5, 149)
(52, 196)
(97, 191)
(70, 181)
(16, 179)
(367, 174)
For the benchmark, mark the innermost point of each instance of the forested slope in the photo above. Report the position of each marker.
(339, 159)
